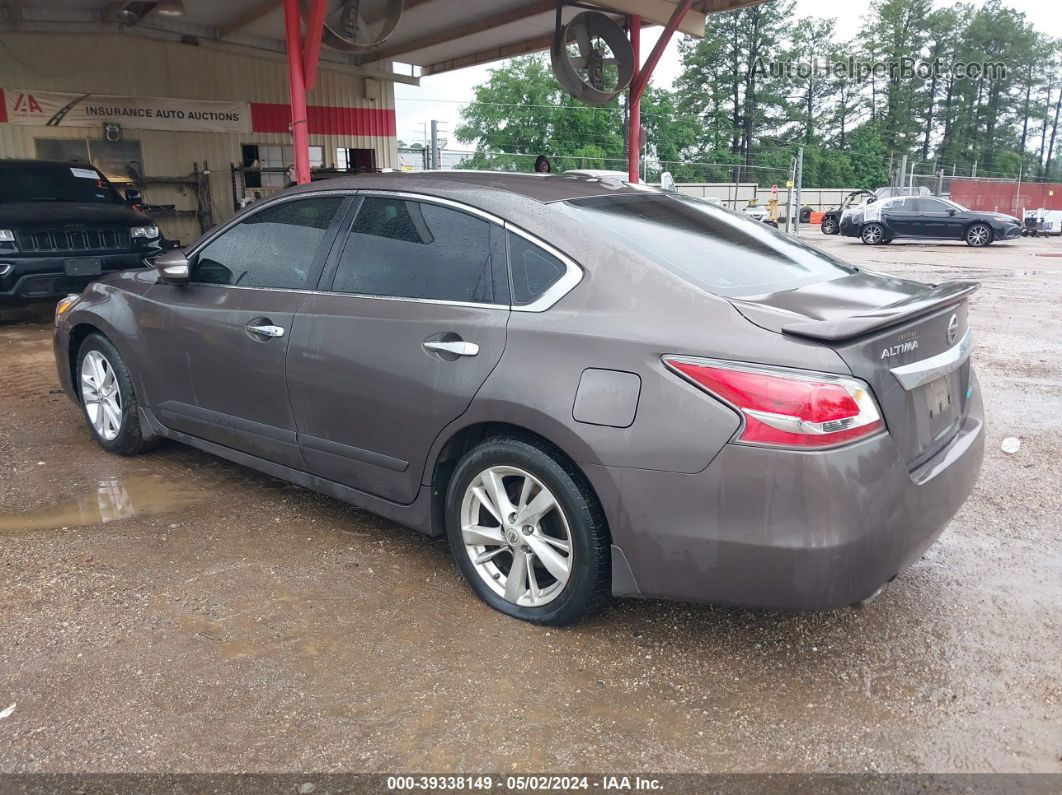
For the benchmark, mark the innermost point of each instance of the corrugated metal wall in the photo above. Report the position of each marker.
(1006, 197)
(133, 66)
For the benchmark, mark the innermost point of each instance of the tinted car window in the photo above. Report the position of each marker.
(715, 249)
(899, 205)
(534, 270)
(411, 249)
(933, 206)
(275, 247)
(54, 182)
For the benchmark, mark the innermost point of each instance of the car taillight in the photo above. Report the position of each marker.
(785, 408)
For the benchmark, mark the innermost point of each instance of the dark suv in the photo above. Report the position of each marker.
(62, 225)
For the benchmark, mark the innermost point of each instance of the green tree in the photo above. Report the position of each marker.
(521, 112)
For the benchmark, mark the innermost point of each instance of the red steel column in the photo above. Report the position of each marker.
(641, 79)
(634, 99)
(300, 135)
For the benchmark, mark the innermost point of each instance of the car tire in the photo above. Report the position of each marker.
(872, 234)
(569, 549)
(111, 410)
(978, 235)
(828, 226)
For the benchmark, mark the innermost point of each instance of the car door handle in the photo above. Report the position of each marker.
(266, 331)
(459, 348)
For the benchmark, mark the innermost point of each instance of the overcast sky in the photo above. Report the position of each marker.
(440, 97)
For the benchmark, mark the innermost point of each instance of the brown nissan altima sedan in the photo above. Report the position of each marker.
(592, 388)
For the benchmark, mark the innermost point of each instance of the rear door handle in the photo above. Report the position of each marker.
(456, 348)
(266, 331)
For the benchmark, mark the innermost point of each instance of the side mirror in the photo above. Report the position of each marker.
(952, 211)
(173, 267)
(133, 196)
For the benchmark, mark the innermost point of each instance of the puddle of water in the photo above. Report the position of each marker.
(112, 500)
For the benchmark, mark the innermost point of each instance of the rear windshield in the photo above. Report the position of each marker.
(54, 182)
(713, 248)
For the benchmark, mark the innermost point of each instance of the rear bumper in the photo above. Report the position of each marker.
(36, 278)
(785, 529)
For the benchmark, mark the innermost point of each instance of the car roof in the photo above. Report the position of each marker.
(28, 161)
(542, 188)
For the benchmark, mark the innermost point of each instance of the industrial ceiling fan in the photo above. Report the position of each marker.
(592, 58)
(359, 25)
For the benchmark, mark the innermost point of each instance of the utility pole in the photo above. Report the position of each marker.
(799, 185)
(940, 182)
(435, 165)
(789, 196)
(1017, 195)
(903, 172)
(910, 182)
(973, 172)
(891, 173)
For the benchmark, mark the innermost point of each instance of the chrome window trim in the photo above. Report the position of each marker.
(560, 288)
(911, 376)
(565, 284)
(572, 276)
(469, 304)
(424, 197)
(264, 204)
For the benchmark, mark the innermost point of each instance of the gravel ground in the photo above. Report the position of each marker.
(174, 612)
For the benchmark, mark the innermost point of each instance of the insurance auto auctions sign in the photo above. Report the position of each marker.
(55, 109)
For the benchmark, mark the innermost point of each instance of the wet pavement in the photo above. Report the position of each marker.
(174, 612)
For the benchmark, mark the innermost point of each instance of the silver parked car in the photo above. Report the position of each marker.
(592, 388)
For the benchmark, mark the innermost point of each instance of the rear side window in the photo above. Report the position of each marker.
(533, 270)
(932, 206)
(412, 249)
(275, 247)
(720, 251)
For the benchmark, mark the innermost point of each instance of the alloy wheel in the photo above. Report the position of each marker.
(101, 395)
(978, 235)
(873, 234)
(517, 536)
(828, 227)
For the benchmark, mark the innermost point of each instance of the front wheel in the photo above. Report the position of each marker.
(527, 532)
(979, 235)
(107, 398)
(873, 234)
(828, 226)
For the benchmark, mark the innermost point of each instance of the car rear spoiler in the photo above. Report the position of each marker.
(865, 322)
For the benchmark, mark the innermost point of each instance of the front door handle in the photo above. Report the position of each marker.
(459, 348)
(265, 331)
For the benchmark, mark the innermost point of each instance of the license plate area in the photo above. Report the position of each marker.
(939, 399)
(84, 266)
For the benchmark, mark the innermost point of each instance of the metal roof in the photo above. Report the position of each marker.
(436, 35)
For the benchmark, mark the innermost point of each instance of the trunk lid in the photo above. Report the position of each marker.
(909, 341)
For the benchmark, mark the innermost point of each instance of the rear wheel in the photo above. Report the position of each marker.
(979, 235)
(873, 234)
(107, 398)
(828, 226)
(527, 532)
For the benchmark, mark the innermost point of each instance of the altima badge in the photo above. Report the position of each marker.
(903, 347)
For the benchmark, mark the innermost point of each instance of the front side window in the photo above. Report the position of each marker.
(723, 252)
(276, 247)
(412, 249)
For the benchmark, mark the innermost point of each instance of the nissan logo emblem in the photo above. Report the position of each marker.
(953, 329)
